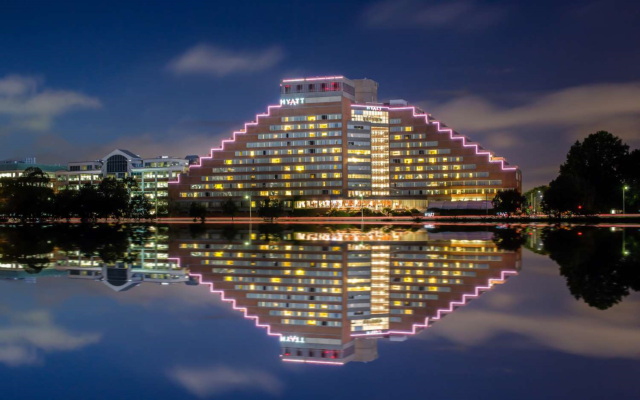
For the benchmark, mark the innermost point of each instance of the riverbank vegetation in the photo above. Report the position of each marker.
(31, 198)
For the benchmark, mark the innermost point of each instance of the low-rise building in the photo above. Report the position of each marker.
(151, 174)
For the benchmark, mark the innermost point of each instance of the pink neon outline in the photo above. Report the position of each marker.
(452, 305)
(315, 78)
(232, 140)
(452, 135)
(313, 361)
(232, 301)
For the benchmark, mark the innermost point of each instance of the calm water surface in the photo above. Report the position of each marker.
(319, 312)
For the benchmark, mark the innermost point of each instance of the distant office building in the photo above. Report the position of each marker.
(151, 174)
(328, 294)
(16, 168)
(331, 144)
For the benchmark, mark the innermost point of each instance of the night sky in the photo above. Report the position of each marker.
(524, 79)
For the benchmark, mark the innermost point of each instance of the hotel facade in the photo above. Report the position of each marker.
(331, 144)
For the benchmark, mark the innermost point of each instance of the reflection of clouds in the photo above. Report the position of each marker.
(174, 297)
(211, 381)
(501, 300)
(587, 332)
(33, 332)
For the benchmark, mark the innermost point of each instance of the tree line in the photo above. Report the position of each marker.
(30, 198)
(600, 174)
(31, 246)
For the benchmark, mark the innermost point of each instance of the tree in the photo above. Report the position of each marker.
(197, 211)
(508, 201)
(591, 178)
(593, 265)
(566, 193)
(27, 246)
(65, 204)
(509, 239)
(114, 198)
(631, 172)
(88, 203)
(139, 207)
(27, 197)
(230, 208)
(271, 209)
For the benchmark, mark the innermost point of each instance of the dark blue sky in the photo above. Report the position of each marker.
(525, 79)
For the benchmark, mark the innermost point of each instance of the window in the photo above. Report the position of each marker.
(117, 163)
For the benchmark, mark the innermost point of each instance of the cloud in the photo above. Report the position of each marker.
(28, 107)
(50, 148)
(29, 334)
(194, 137)
(210, 60)
(456, 14)
(205, 382)
(523, 130)
(580, 105)
(570, 334)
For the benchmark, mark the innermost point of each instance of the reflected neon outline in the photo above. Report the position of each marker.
(439, 313)
(452, 305)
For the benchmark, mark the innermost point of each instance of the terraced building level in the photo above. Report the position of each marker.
(331, 144)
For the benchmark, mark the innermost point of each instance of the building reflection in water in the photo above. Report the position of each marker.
(121, 262)
(330, 295)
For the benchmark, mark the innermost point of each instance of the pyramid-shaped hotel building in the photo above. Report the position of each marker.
(331, 144)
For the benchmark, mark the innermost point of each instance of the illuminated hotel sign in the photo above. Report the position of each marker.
(292, 339)
(372, 108)
(292, 102)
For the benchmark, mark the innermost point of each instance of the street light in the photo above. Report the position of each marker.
(362, 208)
(250, 220)
(250, 205)
(624, 189)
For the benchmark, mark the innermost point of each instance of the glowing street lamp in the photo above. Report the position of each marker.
(624, 189)
(250, 205)
(362, 208)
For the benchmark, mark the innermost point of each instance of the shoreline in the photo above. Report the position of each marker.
(404, 220)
